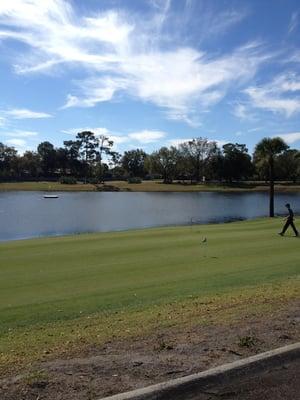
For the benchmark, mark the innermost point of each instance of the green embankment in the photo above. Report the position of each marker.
(147, 186)
(48, 286)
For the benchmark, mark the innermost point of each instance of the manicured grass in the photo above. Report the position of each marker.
(145, 186)
(50, 287)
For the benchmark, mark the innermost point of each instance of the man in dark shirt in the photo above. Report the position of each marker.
(289, 222)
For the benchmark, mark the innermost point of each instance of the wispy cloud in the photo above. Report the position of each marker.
(122, 54)
(21, 145)
(221, 143)
(117, 138)
(213, 22)
(95, 90)
(176, 142)
(183, 82)
(254, 129)
(145, 136)
(240, 111)
(23, 113)
(19, 139)
(279, 96)
(2, 121)
(243, 111)
(293, 22)
(16, 142)
(290, 138)
(20, 133)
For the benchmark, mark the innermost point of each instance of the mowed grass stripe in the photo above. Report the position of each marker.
(52, 279)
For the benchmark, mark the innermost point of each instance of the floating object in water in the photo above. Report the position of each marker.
(50, 196)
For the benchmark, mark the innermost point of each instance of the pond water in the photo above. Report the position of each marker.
(29, 214)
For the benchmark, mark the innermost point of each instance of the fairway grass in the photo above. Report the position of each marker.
(60, 293)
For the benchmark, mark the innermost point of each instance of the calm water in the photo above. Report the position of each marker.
(28, 214)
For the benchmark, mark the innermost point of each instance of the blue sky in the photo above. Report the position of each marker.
(149, 73)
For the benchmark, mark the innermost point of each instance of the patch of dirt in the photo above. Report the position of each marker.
(168, 353)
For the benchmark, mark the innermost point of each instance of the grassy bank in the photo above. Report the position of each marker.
(145, 186)
(60, 293)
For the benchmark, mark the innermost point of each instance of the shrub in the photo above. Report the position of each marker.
(93, 181)
(247, 341)
(134, 179)
(68, 180)
(148, 177)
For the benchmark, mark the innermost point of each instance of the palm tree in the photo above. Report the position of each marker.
(267, 150)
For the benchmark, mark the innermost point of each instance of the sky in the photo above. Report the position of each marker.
(149, 73)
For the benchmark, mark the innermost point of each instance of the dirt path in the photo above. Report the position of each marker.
(119, 366)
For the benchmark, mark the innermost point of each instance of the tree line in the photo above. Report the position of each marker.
(91, 158)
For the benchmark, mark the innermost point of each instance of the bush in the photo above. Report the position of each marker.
(68, 180)
(148, 177)
(134, 179)
(93, 181)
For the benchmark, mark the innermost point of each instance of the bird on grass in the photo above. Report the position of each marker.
(204, 240)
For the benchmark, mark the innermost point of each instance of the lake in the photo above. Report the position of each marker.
(28, 214)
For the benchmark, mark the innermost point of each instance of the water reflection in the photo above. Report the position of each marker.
(28, 214)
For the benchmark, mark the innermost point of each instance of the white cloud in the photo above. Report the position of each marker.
(124, 55)
(240, 111)
(147, 136)
(212, 22)
(95, 90)
(182, 82)
(98, 131)
(23, 113)
(20, 145)
(279, 96)
(290, 138)
(293, 22)
(176, 142)
(254, 129)
(16, 142)
(144, 136)
(21, 133)
(221, 143)
(2, 121)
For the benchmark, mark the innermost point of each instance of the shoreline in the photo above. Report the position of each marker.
(145, 186)
(133, 230)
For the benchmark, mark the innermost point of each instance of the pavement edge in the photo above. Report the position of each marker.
(187, 386)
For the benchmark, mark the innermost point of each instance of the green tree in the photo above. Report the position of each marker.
(73, 162)
(133, 162)
(237, 162)
(31, 164)
(105, 148)
(88, 144)
(267, 150)
(215, 165)
(8, 158)
(62, 160)
(196, 153)
(47, 154)
(288, 165)
(164, 162)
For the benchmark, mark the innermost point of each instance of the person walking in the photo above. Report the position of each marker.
(289, 222)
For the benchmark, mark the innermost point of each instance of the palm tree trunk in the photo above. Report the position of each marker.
(271, 209)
